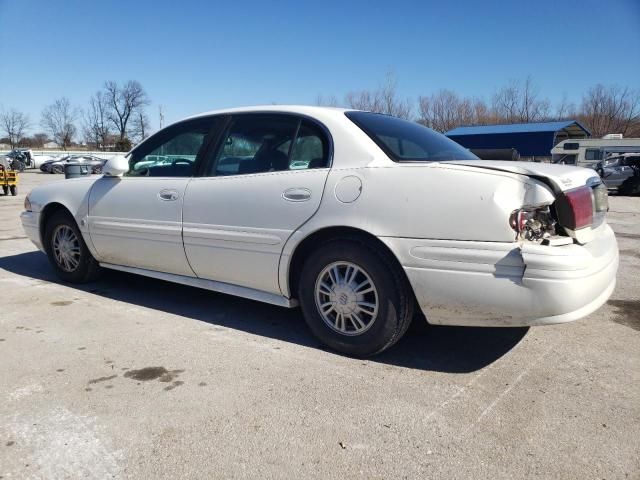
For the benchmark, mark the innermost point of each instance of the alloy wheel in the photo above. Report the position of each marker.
(66, 248)
(346, 298)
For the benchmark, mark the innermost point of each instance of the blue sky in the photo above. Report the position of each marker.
(193, 56)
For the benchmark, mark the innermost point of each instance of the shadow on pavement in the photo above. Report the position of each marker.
(442, 349)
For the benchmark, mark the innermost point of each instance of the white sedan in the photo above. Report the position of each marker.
(360, 218)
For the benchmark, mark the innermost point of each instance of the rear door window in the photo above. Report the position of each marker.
(260, 143)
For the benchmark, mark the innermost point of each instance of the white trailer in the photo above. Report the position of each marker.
(587, 152)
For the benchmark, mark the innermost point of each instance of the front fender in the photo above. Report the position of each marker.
(72, 195)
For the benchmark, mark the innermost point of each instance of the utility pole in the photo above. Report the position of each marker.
(161, 113)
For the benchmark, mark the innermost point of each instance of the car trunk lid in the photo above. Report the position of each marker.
(563, 177)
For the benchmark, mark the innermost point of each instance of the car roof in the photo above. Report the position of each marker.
(310, 110)
(352, 147)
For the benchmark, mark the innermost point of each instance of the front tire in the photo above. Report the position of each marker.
(355, 298)
(13, 189)
(67, 251)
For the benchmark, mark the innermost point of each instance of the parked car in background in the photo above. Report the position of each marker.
(20, 158)
(349, 214)
(38, 159)
(46, 165)
(57, 165)
(621, 173)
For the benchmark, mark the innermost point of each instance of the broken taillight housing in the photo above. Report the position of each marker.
(575, 208)
(533, 223)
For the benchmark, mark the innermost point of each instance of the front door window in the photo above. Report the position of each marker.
(173, 153)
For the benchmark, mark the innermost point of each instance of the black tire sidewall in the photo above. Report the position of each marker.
(84, 270)
(386, 325)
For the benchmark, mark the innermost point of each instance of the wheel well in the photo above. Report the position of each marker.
(316, 239)
(46, 214)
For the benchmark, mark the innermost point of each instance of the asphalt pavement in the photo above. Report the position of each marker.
(131, 377)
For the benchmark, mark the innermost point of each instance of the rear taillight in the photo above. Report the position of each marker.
(575, 208)
(601, 198)
(533, 223)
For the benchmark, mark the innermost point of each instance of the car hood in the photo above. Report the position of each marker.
(563, 177)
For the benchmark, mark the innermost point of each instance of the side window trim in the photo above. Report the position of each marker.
(210, 164)
(211, 144)
(294, 140)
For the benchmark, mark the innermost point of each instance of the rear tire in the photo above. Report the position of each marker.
(354, 297)
(14, 190)
(67, 251)
(5, 189)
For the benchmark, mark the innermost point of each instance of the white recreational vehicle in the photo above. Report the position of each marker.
(587, 152)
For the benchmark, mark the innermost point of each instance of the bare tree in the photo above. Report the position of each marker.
(58, 119)
(445, 110)
(520, 102)
(391, 104)
(611, 110)
(505, 103)
(123, 103)
(482, 113)
(383, 100)
(140, 126)
(565, 109)
(96, 123)
(14, 124)
(39, 139)
(363, 100)
(329, 101)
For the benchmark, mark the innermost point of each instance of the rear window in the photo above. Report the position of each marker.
(405, 141)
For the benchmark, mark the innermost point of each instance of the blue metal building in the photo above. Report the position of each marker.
(533, 141)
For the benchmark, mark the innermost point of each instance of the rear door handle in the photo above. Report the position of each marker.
(168, 195)
(297, 194)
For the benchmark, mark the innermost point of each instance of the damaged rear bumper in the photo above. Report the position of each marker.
(508, 284)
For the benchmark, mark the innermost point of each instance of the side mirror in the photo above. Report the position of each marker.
(116, 166)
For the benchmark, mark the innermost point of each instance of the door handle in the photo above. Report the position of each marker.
(297, 194)
(168, 195)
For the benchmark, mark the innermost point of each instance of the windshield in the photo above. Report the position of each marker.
(405, 141)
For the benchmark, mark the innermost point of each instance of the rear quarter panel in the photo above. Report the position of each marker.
(426, 201)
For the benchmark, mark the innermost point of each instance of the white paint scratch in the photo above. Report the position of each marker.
(507, 390)
(459, 392)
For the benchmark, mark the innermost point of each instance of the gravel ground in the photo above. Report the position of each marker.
(131, 377)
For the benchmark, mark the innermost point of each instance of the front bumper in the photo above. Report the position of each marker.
(31, 225)
(508, 284)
